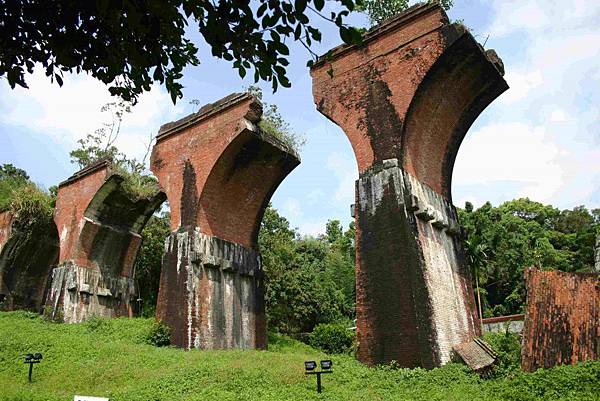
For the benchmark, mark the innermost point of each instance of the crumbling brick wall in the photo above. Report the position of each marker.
(219, 171)
(406, 99)
(28, 251)
(99, 225)
(562, 320)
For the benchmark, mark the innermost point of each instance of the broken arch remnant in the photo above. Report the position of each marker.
(406, 99)
(27, 253)
(219, 170)
(99, 227)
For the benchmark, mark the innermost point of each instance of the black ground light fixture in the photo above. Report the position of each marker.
(310, 367)
(31, 359)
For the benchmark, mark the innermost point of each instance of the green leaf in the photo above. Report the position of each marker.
(261, 10)
(300, 5)
(319, 4)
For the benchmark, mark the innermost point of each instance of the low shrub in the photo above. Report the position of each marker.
(508, 347)
(159, 334)
(332, 338)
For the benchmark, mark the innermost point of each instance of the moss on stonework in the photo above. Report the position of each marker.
(137, 186)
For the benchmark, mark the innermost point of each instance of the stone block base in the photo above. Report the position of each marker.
(78, 293)
(211, 293)
(414, 298)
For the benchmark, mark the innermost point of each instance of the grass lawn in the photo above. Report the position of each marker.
(110, 358)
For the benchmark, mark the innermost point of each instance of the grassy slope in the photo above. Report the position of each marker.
(109, 358)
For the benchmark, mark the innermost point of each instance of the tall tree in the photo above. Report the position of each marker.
(130, 44)
(522, 233)
(381, 10)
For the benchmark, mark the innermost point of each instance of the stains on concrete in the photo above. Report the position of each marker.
(78, 293)
(210, 293)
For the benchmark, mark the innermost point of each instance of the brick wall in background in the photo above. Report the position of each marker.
(562, 320)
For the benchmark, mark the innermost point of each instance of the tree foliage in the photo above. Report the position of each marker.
(307, 280)
(149, 261)
(100, 144)
(502, 241)
(273, 123)
(381, 10)
(30, 204)
(131, 44)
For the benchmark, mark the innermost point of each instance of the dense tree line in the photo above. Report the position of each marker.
(502, 241)
(310, 280)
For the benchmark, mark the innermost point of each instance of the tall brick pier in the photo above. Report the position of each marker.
(99, 226)
(406, 99)
(219, 170)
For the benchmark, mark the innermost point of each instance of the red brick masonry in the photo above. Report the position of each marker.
(406, 99)
(99, 227)
(562, 323)
(219, 170)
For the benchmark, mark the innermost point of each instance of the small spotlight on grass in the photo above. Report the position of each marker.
(310, 367)
(31, 359)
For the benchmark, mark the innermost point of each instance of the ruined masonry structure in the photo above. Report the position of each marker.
(406, 99)
(99, 227)
(562, 323)
(219, 171)
(28, 251)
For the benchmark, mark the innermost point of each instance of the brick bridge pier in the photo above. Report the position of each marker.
(99, 227)
(406, 99)
(219, 171)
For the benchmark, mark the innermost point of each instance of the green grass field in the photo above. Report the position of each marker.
(110, 358)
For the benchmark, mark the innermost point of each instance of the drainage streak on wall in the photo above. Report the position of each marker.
(562, 321)
(219, 171)
(406, 99)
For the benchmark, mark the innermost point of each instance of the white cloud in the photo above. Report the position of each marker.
(558, 116)
(314, 197)
(521, 84)
(512, 152)
(292, 208)
(312, 227)
(542, 137)
(68, 113)
(344, 169)
(528, 17)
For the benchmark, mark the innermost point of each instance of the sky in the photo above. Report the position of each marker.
(540, 139)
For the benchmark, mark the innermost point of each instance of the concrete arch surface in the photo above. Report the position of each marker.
(219, 170)
(405, 99)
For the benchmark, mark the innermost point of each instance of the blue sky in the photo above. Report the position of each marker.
(541, 139)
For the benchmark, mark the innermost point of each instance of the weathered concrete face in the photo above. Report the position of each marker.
(406, 99)
(562, 321)
(219, 171)
(99, 226)
(27, 255)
